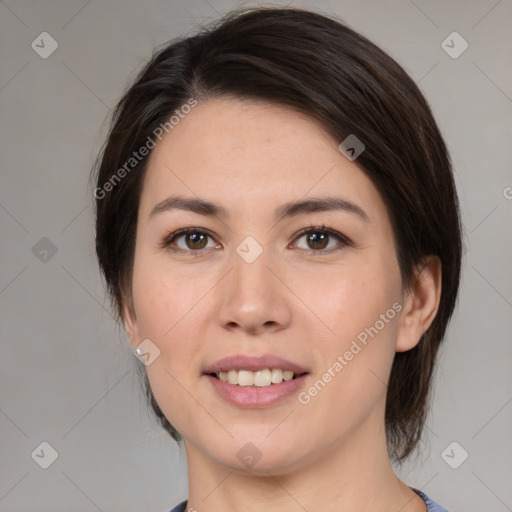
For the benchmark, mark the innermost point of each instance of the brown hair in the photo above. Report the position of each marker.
(320, 67)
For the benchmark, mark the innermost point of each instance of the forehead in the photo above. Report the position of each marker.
(247, 155)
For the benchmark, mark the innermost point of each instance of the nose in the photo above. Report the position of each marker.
(252, 297)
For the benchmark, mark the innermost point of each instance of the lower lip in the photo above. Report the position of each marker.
(254, 396)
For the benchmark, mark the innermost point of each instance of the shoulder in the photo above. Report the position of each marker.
(432, 506)
(181, 507)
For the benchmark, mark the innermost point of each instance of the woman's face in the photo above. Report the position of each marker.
(245, 282)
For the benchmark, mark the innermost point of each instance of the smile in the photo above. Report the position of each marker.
(261, 378)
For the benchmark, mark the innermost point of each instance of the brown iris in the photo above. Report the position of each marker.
(199, 240)
(318, 239)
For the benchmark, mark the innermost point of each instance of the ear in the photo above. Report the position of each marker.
(130, 324)
(420, 305)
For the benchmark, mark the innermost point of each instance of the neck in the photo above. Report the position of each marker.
(353, 474)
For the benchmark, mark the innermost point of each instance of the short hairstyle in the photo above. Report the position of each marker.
(319, 67)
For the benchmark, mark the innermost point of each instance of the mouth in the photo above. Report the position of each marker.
(255, 382)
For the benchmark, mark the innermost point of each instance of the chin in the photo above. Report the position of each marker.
(273, 465)
(259, 456)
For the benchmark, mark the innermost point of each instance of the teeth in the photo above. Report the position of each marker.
(245, 378)
(261, 378)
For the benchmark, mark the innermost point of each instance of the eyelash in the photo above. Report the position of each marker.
(172, 237)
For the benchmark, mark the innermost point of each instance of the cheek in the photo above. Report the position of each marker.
(163, 297)
(173, 310)
(166, 309)
(353, 299)
(359, 304)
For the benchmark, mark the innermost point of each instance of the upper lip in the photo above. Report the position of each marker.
(244, 362)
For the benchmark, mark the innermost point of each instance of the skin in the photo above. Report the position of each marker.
(294, 301)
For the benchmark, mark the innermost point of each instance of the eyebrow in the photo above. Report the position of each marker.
(291, 209)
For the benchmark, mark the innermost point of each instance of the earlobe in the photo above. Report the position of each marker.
(420, 305)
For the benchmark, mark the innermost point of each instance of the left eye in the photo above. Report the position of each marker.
(195, 240)
(319, 237)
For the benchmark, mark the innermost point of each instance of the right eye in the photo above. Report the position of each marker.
(195, 240)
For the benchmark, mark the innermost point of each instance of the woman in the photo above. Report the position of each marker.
(278, 227)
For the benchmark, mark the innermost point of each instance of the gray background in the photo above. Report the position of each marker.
(67, 372)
